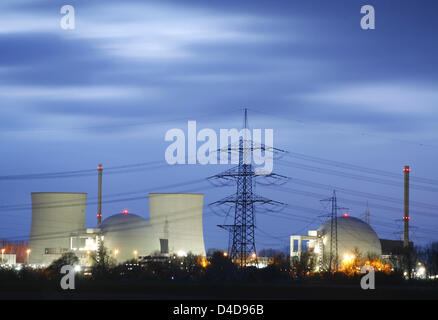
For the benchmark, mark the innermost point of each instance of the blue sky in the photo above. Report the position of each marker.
(108, 91)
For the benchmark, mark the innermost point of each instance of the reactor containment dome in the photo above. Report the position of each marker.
(127, 235)
(353, 235)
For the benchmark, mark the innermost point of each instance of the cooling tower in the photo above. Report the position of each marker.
(177, 221)
(55, 217)
(127, 236)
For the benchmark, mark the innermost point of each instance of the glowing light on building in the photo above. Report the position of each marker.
(348, 259)
(181, 253)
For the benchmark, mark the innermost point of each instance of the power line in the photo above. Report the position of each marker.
(336, 129)
(349, 166)
(82, 173)
(361, 193)
(319, 196)
(111, 198)
(350, 175)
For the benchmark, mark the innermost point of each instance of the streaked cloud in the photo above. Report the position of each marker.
(391, 97)
(88, 93)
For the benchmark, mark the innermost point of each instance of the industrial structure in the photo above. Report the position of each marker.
(342, 235)
(406, 218)
(353, 235)
(58, 227)
(242, 246)
(57, 218)
(177, 222)
(175, 225)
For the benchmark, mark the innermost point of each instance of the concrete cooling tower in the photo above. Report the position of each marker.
(177, 220)
(128, 236)
(55, 218)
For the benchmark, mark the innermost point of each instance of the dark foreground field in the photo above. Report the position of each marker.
(215, 291)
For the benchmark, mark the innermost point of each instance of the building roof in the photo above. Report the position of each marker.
(352, 233)
(121, 221)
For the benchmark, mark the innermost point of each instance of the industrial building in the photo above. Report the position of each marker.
(352, 234)
(8, 259)
(57, 218)
(58, 226)
(175, 226)
(177, 220)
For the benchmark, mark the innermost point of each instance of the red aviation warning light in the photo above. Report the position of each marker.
(125, 212)
(346, 215)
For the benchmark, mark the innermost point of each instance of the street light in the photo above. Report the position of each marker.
(135, 254)
(28, 251)
(116, 252)
(3, 253)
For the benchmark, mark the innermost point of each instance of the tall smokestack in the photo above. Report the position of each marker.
(406, 218)
(99, 195)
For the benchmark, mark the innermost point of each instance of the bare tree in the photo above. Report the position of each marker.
(305, 264)
(404, 261)
(429, 255)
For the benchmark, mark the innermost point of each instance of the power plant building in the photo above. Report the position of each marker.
(353, 235)
(177, 219)
(58, 226)
(56, 218)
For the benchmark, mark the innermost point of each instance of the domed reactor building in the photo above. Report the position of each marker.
(58, 226)
(353, 235)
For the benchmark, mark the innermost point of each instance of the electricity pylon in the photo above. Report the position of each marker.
(242, 244)
(333, 258)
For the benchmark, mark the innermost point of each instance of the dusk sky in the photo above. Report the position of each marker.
(107, 92)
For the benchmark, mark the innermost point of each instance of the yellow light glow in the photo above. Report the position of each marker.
(116, 252)
(203, 262)
(225, 254)
(28, 251)
(348, 259)
(3, 251)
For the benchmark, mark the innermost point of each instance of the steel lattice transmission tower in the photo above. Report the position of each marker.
(334, 257)
(242, 244)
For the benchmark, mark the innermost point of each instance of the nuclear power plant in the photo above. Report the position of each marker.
(353, 235)
(58, 226)
(57, 219)
(175, 227)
